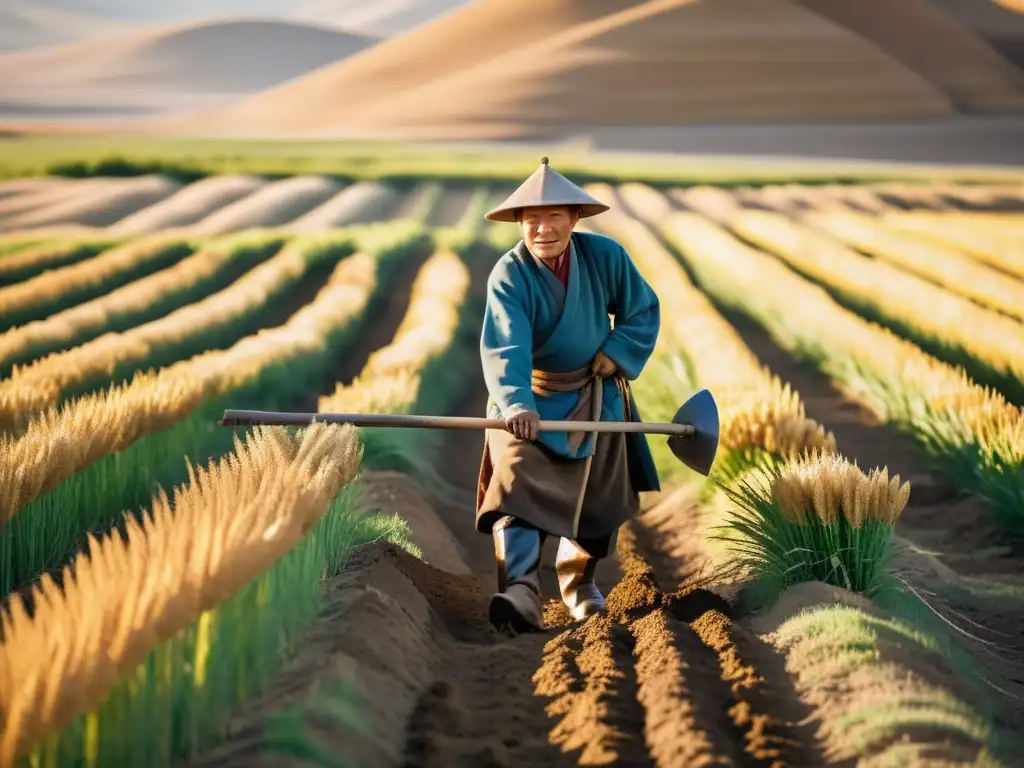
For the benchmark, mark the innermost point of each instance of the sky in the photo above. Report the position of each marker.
(30, 23)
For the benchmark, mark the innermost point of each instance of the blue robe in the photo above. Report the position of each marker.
(532, 322)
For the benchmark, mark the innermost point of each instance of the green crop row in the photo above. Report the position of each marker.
(971, 434)
(271, 369)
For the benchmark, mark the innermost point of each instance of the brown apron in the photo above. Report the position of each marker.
(579, 499)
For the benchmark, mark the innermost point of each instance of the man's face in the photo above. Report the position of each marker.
(546, 229)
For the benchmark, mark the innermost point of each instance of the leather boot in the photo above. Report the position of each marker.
(575, 569)
(517, 602)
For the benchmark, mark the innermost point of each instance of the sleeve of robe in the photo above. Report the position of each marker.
(637, 314)
(506, 346)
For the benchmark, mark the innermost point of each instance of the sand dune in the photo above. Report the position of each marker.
(380, 17)
(190, 205)
(275, 204)
(656, 62)
(936, 46)
(167, 68)
(468, 38)
(107, 202)
(998, 23)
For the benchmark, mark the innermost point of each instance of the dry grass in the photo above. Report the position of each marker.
(191, 553)
(49, 286)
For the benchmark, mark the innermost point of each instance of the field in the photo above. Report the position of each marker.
(846, 588)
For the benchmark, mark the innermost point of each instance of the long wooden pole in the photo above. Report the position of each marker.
(233, 418)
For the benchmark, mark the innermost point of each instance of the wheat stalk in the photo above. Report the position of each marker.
(62, 441)
(188, 555)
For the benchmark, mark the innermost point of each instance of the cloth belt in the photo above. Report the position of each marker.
(589, 408)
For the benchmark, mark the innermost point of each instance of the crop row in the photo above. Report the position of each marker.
(971, 432)
(988, 344)
(698, 348)
(946, 266)
(58, 289)
(213, 267)
(984, 241)
(205, 676)
(106, 451)
(33, 260)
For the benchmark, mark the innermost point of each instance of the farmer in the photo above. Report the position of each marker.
(549, 352)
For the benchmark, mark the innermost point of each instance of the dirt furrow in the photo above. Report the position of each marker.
(674, 716)
(766, 738)
(588, 670)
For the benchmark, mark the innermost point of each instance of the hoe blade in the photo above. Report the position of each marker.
(698, 450)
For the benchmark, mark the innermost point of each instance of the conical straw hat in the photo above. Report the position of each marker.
(546, 186)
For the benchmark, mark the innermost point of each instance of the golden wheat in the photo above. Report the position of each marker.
(42, 383)
(193, 552)
(50, 254)
(135, 297)
(1004, 224)
(390, 380)
(986, 335)
(52, 284)
(827, 484)
(765, 280)
(757, 409)
(947, 267)
(60, 442)
(985, 243)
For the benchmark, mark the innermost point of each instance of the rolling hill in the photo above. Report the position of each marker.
(660, 62)
(33, 23)
(998, 22)
(167, 69)
(461, 41)
(937, 46)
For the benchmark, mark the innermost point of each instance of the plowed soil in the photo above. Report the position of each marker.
(663, 677)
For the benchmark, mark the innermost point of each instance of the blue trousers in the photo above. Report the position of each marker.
(518, 547)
